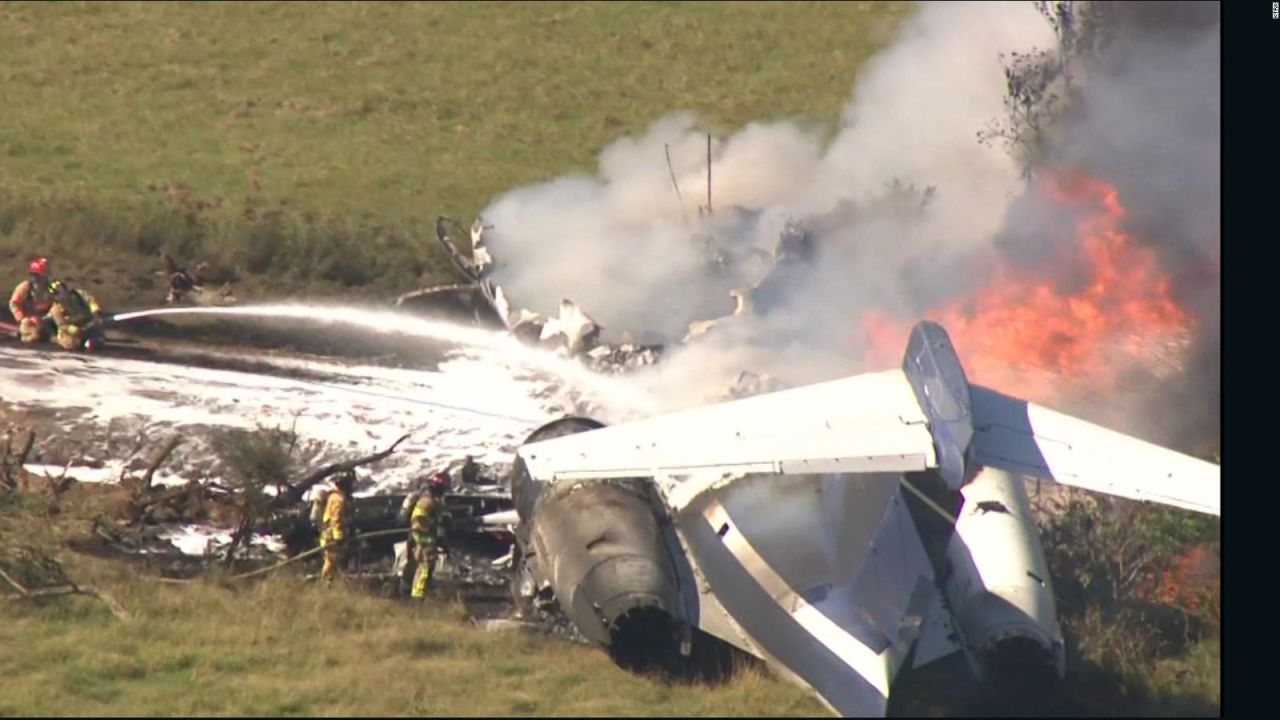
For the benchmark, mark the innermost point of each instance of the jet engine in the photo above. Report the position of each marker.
(998, 584)
(599, 546)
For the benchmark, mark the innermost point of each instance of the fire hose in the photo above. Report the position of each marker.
(289, 561)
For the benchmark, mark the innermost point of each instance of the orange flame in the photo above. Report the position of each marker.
(1023, 336)
(1187, 583)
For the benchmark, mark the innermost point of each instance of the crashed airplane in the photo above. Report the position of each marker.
(836, 531)
(486, 302)
(840, 531)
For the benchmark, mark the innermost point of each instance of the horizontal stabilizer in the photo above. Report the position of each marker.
(1025, 438)
(864, 423)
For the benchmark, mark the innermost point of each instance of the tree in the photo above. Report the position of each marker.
(266, 459)
(256, 461)
(1108, 551)
(1042, 87)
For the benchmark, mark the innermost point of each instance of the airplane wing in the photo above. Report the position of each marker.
(1023, 437)
(864, 423)
(925, 415)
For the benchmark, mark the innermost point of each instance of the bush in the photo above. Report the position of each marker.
(1139, 598)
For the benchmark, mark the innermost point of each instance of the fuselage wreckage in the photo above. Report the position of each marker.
(838, 531)
(835, 530)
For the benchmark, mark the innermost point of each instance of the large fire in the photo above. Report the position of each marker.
(1020, 334)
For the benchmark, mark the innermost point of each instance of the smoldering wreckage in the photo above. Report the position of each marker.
(841, 532)
(846, 533)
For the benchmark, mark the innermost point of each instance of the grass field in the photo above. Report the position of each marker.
(287, 647)
(313, 144)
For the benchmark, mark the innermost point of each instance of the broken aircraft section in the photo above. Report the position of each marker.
(480, 300)
(841, 532)
(836, 531)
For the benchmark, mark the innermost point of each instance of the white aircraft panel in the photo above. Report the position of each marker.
(865, 423)
(1026, 438)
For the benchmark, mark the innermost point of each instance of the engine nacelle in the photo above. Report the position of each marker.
(599, 545)
(999, 588)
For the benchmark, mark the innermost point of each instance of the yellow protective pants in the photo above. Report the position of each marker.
(331, 549)
(73, 337)
(69, 337)
(424, 556)
(31, 330)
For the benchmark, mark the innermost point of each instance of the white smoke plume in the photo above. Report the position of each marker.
(619, 246)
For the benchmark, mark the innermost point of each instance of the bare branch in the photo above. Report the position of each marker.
(61, 485)
(297, 490)
(155, 464)
(26, 448)
(169, 494)
(13, 582)
(116, 608)
(44, 592)
(293, 433)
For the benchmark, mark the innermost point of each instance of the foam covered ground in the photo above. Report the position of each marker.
(93, 410)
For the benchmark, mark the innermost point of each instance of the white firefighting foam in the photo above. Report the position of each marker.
(477, 402)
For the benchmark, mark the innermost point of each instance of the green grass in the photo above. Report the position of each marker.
(288, 648)
(364, 120)
(1121, 670)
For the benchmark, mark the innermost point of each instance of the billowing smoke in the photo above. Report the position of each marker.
(903, 211)
(623, 247)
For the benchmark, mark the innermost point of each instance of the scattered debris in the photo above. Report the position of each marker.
(622, 358)
(579, 332)
(460, 302)
(749, 383)
(502, 624)
(742, 300)
(185, 287)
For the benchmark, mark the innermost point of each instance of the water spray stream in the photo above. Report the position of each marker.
(617, 398)
(531, 422)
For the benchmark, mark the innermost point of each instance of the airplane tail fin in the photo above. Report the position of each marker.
(933, 369)
(973, 426)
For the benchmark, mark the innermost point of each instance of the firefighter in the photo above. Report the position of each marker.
(77, 315)
(181, 283)
(469, 473)
(424, 531)
(336, 522)
(31, 301)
